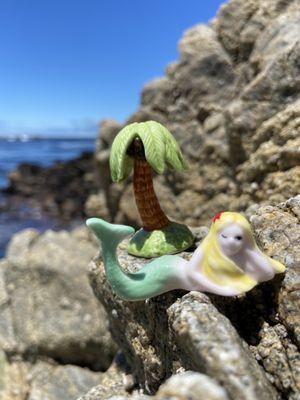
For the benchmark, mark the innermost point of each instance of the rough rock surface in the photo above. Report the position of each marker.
(45, 380)
(49, 318)
(183, 386)
(249, 344)
(232, 101)
(191, 385)
(113, 383)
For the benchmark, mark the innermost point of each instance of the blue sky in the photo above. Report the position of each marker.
(66, 64)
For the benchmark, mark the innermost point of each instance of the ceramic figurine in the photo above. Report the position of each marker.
(227, 262)
(144, 147)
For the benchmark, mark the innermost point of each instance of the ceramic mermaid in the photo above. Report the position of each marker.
(228, 262)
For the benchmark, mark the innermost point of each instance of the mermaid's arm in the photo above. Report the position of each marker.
(203, 284)
(198, 281)
(258, 266)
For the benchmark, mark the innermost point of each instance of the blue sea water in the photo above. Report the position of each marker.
(43, 152)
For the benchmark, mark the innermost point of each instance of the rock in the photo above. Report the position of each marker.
(232, 103)
(45, 381)
(191, 385)
(248, 345)
(240, 25)
(183, 386)
(60, 191)
(60, 382)
(146, 338)
(209, 343)
(134, 397)
(14, 379)
(48, 315)
(47, 306)
(96, 206)
(112, 386)
(278, 231)
(280, 358)
(109, 194)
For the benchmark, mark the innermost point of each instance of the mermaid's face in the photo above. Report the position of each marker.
(231, 239)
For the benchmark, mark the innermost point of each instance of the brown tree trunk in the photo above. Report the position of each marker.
(150, 211)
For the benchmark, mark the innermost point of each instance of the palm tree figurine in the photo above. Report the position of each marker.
(144, 147)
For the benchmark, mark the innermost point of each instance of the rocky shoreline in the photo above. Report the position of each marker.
(46, 197)
(56, 340)
(232, 102)
(59, 191)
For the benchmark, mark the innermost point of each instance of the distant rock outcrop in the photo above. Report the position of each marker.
(60, 191)
(232, 101)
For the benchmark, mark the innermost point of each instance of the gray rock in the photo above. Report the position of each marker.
(232, 102)
(249, 345)
(14, 377)
(145, 351)
(112, 386)
(191, 386)
(210, 344)
(184, 386)
(134, 397)
(49, 382)
(45, 381)
(278, 232)
(47, 306)
(280, 358)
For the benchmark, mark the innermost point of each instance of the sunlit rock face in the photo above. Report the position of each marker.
(232, 101)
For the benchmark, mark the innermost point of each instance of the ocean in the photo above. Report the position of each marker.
(42, 152)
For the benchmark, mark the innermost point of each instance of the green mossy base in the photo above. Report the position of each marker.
(170, 240)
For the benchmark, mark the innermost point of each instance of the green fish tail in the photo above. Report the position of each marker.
(156, 277)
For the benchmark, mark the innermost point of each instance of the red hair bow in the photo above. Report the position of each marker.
(217, 216)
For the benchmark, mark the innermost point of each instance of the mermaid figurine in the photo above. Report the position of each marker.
(228, 262)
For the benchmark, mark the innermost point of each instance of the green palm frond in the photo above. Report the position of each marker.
(120, 163)
(154, 145)
(174, 157)
(161, 149)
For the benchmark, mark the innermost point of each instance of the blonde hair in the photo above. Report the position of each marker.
(217, 266)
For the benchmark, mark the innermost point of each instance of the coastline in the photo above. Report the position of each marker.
(43, 193)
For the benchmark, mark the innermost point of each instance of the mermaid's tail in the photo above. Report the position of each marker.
(157, 277)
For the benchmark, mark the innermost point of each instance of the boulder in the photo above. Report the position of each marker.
(232, 102)
(191, 385)
(47, 306)
(21, 380)
(182, 386)
(248, 345)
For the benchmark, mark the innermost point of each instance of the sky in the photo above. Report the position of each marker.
(65, 65)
